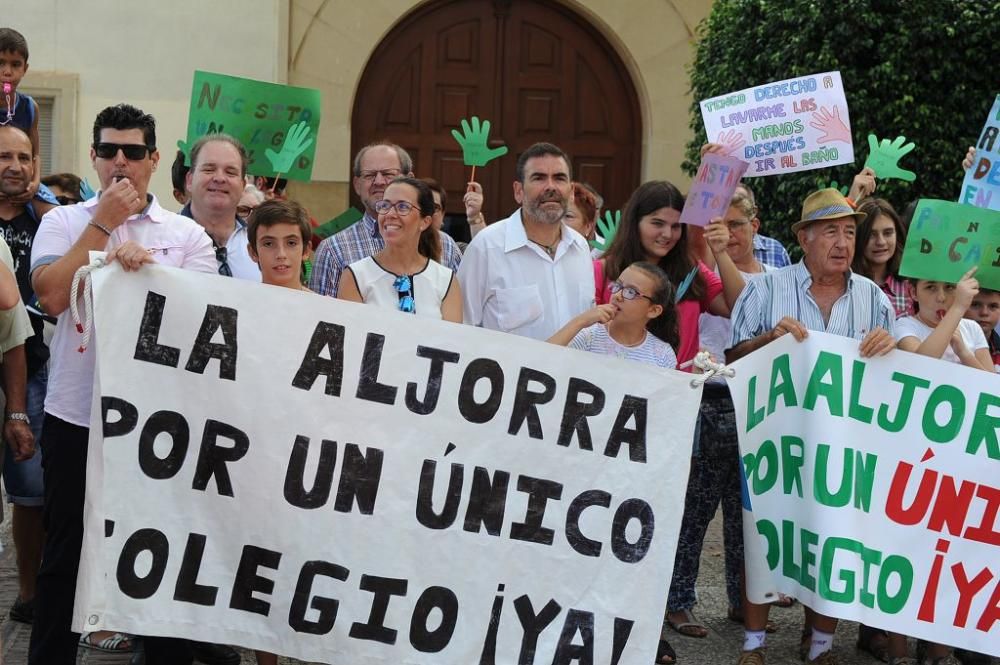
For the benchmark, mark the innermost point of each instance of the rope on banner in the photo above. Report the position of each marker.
(710, 368)
(84, 325)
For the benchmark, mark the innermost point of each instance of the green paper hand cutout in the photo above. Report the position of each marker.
(836, 185)
(883, 158)
(607, 228)
(474, 141)
(295, 144)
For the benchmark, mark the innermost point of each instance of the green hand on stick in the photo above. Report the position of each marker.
(474, 141)
(883, 158)
(607, 228)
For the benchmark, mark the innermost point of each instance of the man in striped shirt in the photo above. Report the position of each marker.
(819, 293)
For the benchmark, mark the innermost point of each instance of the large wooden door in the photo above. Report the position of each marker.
(536, 70)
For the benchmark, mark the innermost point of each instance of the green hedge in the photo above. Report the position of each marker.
(926, 69)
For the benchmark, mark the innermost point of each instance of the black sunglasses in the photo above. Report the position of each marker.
(222, 256)
(67, 200)
(131, 151)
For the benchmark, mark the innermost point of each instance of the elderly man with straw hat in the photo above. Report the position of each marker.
(819, 293)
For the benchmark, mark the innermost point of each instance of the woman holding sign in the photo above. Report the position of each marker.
(406, 274)
(879, 250)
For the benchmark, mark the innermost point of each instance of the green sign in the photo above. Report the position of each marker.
(945, 239)
(277, 124)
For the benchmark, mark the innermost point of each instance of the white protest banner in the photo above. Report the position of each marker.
(797, 124)
(874, 487)
(341, 483)
(981, 186)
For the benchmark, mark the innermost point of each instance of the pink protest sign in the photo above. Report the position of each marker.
(712, 188)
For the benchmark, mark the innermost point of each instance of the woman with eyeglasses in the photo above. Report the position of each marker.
(406, 275)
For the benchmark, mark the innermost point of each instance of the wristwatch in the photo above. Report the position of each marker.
(19, 415)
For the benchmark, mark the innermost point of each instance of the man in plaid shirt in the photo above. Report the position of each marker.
(375, 166)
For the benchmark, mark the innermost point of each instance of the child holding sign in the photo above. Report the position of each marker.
(938, 328)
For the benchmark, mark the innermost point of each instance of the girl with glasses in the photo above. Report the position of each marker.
(639, 323)
(406, 275)
(651, 231)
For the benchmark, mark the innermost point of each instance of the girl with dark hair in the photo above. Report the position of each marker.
(879, 250)
(406, 274)
(651, 231)
(639, 323)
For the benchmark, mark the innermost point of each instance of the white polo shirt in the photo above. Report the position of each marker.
(179, 242)
(510, 284)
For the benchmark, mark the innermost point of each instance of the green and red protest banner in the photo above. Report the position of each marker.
(873, 487)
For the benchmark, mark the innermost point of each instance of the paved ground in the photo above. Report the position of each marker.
(721, 646)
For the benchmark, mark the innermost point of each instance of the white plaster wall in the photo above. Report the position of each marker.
(144, 52)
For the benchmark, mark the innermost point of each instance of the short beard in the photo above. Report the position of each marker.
(540, 214)
(8, 191)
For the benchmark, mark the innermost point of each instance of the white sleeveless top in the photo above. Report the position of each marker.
(430, 286)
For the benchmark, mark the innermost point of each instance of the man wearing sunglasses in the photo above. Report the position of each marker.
(215, 184)
(127, 222)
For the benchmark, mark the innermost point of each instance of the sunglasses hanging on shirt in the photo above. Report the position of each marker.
(404, 287)
(222, 256)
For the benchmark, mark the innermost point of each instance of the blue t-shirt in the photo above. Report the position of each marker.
(24, 112)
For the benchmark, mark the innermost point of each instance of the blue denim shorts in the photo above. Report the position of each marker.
(23, 480)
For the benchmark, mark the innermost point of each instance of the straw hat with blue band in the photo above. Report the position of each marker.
(826, 204)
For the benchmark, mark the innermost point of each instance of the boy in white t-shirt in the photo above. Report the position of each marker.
(938, 328)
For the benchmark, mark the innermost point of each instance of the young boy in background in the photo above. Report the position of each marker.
(985, 310)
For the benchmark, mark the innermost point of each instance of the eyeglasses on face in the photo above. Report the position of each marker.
(387, 174)
(245, 211)
(132, 151)
(404, 287)
(67, 200)
(628, 292)
(402, 207)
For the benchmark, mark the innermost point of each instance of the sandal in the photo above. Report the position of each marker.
(664, 650)
(690, 627)
(736, 616)
(875, 641)
(115, 643)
